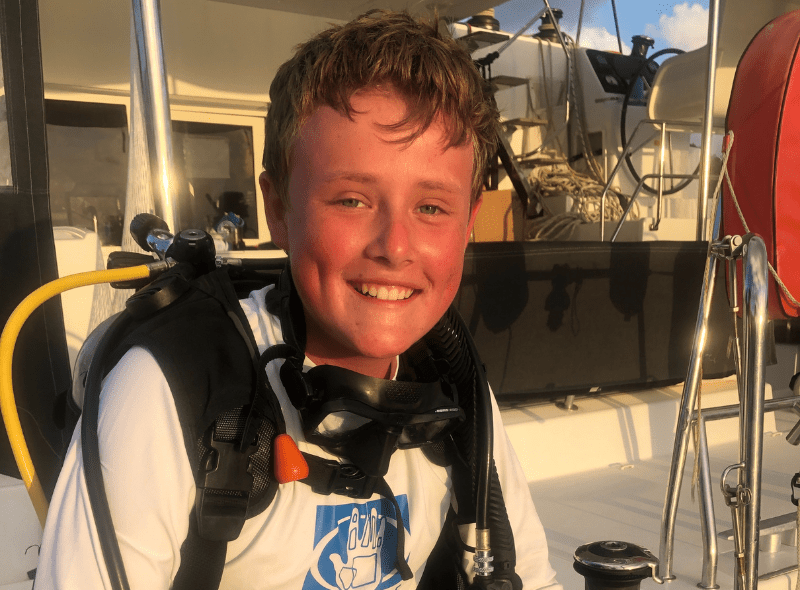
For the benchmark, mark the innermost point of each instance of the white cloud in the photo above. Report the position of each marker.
(686, 28)
(600, 38)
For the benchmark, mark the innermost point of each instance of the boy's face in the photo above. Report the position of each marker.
(376, 231)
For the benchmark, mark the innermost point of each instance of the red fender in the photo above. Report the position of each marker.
(764, 164)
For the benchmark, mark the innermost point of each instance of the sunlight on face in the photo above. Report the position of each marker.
(376, 232)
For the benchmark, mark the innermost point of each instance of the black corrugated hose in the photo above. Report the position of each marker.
(91, 456)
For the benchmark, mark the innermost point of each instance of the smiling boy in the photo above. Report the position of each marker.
(375, 228)
(377, 139)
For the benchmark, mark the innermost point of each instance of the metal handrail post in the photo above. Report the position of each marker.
(608, 186)
(708, 525)
(688, 402)
(755, 320)
(707, 521)
(708, 119)
(677, 125)
(155, 108)
(660, 203)
(636, 194)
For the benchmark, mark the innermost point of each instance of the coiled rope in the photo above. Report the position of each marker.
(548, 182)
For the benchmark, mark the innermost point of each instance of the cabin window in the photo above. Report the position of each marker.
(87, 146)
(218, 160)
(5, 145)
(88, 152)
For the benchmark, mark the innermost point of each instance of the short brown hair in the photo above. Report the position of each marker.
(382, 49)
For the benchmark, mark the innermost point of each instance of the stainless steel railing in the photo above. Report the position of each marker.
(745, 497)
(751, 421)
(663, 127)
(688, 402)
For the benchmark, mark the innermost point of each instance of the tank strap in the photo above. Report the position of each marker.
(202, 561)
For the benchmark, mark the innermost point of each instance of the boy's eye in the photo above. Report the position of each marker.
(351, 203)
(429, 209)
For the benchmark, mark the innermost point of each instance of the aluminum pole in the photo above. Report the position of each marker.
(570, 64)
(580, 24)
(708, 119)
(688, 402)
(527, 26)
(155, 107)
(660, 202)
(708, 526)
(755, 319)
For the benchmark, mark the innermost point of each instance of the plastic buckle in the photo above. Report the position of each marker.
(795, 485)
(348, 480)
(223, 497)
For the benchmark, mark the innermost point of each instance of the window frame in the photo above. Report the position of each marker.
(193, 110)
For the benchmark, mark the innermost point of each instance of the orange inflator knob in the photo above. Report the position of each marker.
(290, 465)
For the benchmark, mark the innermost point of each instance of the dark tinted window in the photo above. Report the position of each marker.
(87, 145)
(218, 160)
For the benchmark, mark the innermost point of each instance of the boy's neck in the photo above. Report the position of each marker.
(380, 368)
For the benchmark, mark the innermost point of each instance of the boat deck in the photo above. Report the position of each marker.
(600, 473)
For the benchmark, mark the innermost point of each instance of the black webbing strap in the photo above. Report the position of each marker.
(400, 562)
(202, 561)
(328, 477)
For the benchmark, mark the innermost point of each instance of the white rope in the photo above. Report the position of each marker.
(580, 115)
(778, 280)
(558, 181)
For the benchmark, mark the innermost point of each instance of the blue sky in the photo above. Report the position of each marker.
(671, 23)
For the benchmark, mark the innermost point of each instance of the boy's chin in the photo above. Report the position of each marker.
(387, 348)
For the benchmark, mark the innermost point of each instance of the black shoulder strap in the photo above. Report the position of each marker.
(202, 561)
(204, 328)
(200, 324)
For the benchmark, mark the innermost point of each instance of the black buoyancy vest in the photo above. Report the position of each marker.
(198, 333)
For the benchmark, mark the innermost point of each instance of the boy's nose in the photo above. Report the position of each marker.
(391, 241)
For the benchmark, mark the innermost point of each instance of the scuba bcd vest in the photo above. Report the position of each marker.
(230, 417)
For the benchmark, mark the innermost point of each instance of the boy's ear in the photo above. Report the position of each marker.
(473, 214)
(275, 211)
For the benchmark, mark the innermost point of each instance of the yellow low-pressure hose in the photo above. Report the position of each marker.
(7, 342)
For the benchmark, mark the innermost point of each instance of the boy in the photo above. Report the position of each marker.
(377, 139)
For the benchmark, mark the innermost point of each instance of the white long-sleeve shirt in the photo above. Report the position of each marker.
(302, 540)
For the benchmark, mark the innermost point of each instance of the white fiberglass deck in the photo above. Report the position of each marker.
(600, 473)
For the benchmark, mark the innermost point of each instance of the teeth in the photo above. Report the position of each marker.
(391, 293)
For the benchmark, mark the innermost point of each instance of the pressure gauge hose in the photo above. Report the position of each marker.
(8, 341)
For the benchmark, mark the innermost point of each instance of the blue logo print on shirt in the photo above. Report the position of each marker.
(355, 546)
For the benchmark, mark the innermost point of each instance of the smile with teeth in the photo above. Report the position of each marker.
(390, 293)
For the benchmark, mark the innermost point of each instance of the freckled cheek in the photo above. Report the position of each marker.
(322, 239)
(448, 270)
(455, 282)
